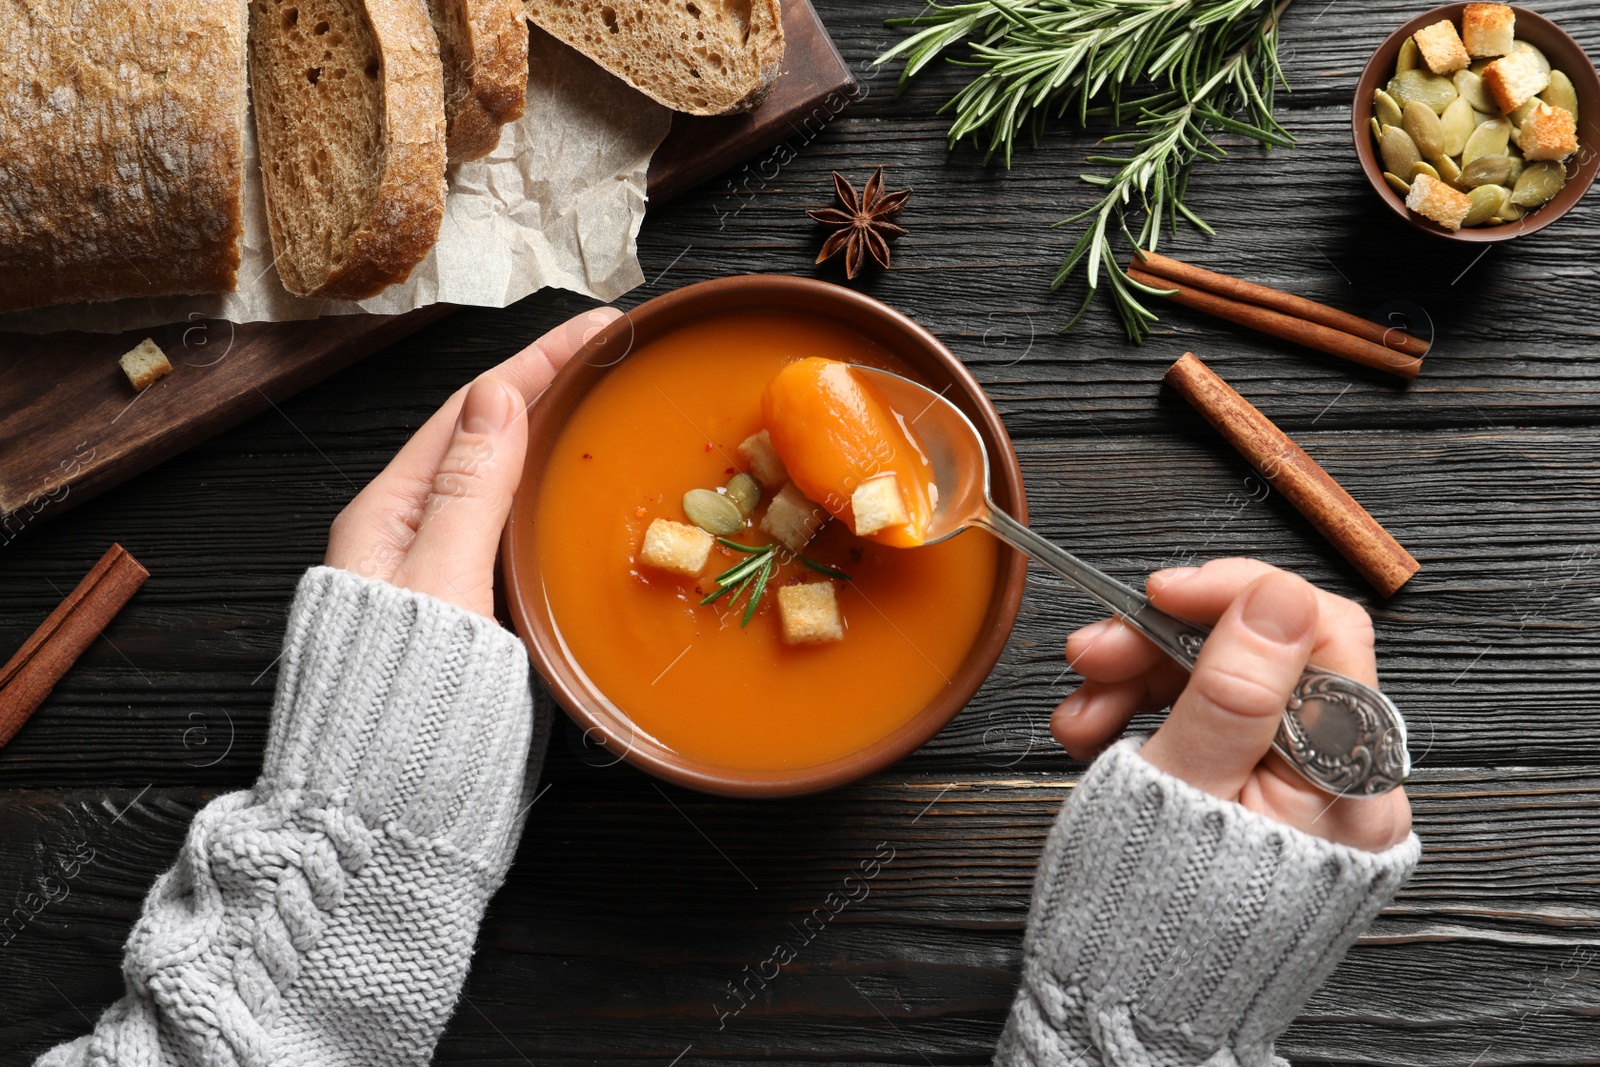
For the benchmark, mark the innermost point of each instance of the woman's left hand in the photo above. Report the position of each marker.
(431, 521)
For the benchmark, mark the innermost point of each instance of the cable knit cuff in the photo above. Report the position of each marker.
(402, 711)
(1172, 926)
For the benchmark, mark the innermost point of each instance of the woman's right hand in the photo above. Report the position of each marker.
(1267, 624)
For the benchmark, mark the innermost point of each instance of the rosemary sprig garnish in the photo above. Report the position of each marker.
(753, 574)
(1179, 70)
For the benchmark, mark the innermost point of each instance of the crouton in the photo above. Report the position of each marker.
(676, 547)
(765, 463)
(1540, 60)
(810, 614)
(1488, 29)
(1548, 133)
(878, 504)
(1434, 199)
(145, 365)
(1514, 78)
(791, 519)
(1441, 47)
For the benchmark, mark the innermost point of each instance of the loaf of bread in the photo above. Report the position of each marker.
(349, 111)
(121, 148)
(705, 57)
(483, 45)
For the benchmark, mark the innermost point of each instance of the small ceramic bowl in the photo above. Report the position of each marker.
(525, 596)
(1564, 54)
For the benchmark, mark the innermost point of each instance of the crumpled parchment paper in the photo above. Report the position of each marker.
(557, 203)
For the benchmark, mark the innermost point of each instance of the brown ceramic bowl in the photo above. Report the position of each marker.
(530, 612)
(1564, 54)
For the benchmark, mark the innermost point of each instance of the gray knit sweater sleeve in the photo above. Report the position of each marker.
(1173, 928)
(327, 915)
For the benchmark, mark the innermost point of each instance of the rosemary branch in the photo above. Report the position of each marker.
(1177, 71)
(753, 573)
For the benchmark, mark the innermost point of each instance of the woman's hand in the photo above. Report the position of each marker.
(431, 521)
(1267, 624)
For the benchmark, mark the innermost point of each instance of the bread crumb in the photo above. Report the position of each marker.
(791, 519)
(1433, 199)
(765, 463)
(1441, 47)
(1515, 79)
(145, 365)
(676, 547)
(810, 614)
(1548, 133)
(1488, 29)
(878, 504)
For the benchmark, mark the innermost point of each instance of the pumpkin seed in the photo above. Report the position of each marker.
(745, 492)
(1377, 128)
(1479, 65)
(1432, 89)
(1422, 125)
(1490, 139)
(1448, 170)
(1539, 182)
(1473, 91)
(1458, 126)
(1486, 202)
(1510, 212)
(713, 512)
(1398, 150)
(1560, 93)
(1409, 57)
(1480, 117)
(1424, 168)
(1516, 167)
(1539, 57)
(1385, 108)
(1397, 183)
(1486, 170)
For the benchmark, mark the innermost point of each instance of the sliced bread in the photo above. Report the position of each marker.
(706, 57)
(121, 149)
(349, 109)
(484, 47)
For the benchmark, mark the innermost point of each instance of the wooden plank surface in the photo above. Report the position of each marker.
(620, 925)
(69, 424)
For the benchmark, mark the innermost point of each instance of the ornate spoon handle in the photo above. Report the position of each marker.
(1343, 736)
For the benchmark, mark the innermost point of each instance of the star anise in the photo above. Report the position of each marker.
(862, 226)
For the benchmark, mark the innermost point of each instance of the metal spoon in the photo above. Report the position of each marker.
(1344, 737)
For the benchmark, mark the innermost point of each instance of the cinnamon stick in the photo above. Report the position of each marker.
(1297, 306)
(39, 664)
(1334, 512)
(1289, 328)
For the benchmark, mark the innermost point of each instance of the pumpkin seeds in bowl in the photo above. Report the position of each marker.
(1451, 130)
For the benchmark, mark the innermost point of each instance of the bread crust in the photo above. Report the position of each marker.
(485, 71)
(570, 21)
(771, 57)
(121, 149)
(401, 225)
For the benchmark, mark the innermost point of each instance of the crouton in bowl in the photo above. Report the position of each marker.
(1485, 72)
(687, 604)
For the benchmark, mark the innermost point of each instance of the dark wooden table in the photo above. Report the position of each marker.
(622, 926)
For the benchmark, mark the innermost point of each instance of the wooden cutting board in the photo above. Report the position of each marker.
(71, 426)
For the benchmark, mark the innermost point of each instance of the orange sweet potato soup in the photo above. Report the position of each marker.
(814, 674)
